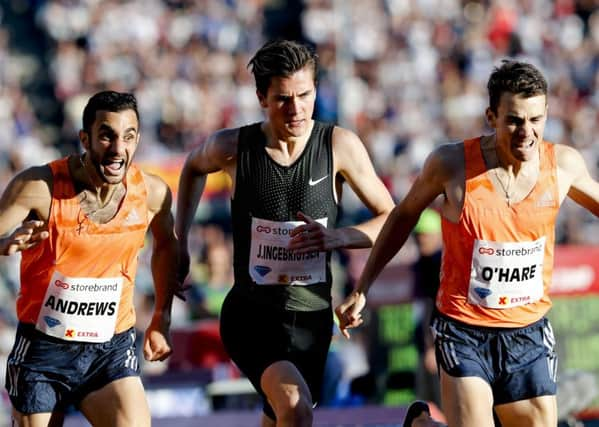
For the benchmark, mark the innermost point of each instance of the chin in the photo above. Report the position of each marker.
(112, 179)
(525, 153)
(297, 131)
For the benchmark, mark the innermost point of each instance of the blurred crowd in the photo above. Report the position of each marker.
(406, 75)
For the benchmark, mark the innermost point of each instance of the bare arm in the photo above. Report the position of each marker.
(574, 179)
(353, 163)
(217, 153)
(27, 194)
(164, 268)
(431, 182)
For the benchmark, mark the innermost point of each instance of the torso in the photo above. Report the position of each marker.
(100, 256)
(268, 196)
(486, 219)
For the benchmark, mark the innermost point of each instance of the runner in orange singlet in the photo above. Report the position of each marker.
(501, 194)
(84, 219)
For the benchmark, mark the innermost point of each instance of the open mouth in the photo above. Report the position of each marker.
(113, 167)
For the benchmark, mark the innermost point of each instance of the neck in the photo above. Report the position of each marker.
(498, 157)
(91, 183)
(289, 144)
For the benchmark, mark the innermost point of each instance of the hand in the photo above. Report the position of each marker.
(157, 342)
(29, 234)
(348, 312)
(313, 236)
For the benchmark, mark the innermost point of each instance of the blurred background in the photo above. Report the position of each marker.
(405, 75)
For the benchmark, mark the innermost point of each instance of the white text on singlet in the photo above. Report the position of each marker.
(506, 275)
(272, 263)
(80, 308)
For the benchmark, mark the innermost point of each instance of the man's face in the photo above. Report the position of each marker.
(289, 103)
(111, 144)
(519, 124)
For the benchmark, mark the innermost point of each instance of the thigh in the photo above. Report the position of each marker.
(528, 364)
(121, 403)
(310, 341)
(463, 351)
(253, 336)
(536, 412)
(41, 373)
(110, 361)
(466, 401)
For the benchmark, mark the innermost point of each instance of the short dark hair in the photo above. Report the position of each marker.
(517, 78)
(107, 101)
(281, 58)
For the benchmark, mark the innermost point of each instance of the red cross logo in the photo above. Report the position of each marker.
(502, 300)
(69, 333)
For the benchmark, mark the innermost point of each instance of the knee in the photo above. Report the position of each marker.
(294, 407)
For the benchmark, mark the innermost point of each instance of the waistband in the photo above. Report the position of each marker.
(487, 329)
(28, 330)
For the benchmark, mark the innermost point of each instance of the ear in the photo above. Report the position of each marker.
(84, 139)
(261, 99)
(491, 117)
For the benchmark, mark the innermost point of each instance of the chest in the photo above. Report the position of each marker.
(98, 212)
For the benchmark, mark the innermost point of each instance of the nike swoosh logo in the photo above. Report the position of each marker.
(311, 182)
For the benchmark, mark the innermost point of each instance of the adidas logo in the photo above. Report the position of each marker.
(132, 218)
(546, 200)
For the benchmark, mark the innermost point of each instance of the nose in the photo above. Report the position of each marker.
(526, 129)
(294, 105)
(117, 145)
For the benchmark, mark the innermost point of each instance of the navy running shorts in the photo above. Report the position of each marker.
(518, 363)
(47, 374)
(256, 336)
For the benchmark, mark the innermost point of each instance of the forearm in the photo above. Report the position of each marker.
(164, 273)
(191, 187)
(362, 235)
(394, 234)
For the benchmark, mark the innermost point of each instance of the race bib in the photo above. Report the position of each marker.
(80, 308)
(272, 263)
(505, 275)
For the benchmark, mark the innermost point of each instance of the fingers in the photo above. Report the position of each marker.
(306, 218)
(349, 314)
(310, 225)
(308, 237)
(156, 348)
(29, 234)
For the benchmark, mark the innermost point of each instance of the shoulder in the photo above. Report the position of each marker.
(36, 178)
(158, 192)
(566, 155)
(448, 156)
(345, 137)
(570, 160)
(346, 143)
(225, 138)
(221, 145)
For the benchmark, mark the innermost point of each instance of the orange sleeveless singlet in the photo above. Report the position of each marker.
(84, 272)
(498, 259)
